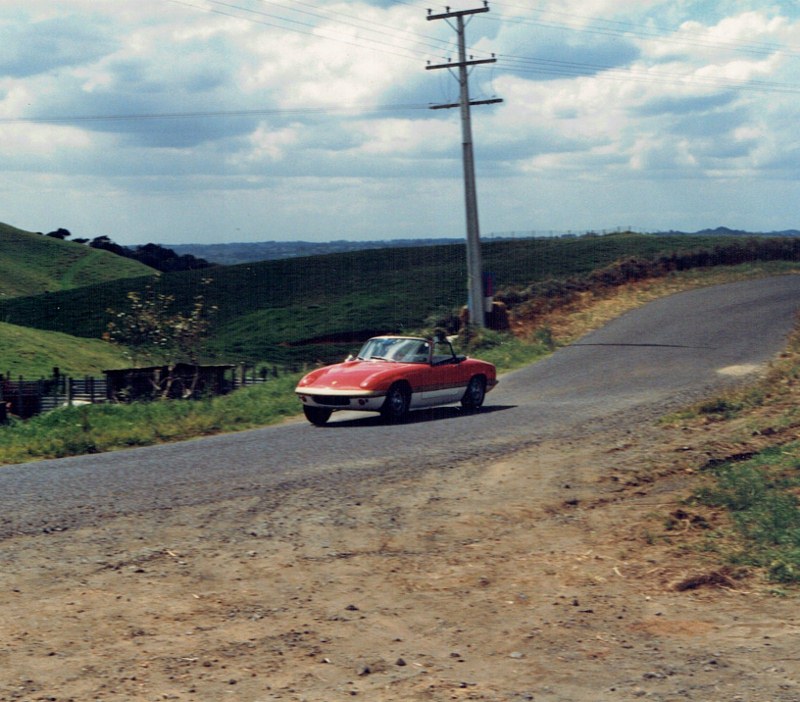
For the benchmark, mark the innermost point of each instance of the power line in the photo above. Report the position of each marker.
(574, 22)
(512, 63)
(627, 29)
(374, 109)
(425, 41)
(299, 27)
(529, 65)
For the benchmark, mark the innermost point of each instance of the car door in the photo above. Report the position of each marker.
(446, 381)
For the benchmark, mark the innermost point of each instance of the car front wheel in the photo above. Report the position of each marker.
(317, 415)
(474, 394)
(395, 407)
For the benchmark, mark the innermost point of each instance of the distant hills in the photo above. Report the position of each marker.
(724, 231)
(248, 252)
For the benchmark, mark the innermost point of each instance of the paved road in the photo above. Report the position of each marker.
(671, 351)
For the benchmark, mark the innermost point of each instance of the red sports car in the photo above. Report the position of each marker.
(394, 374)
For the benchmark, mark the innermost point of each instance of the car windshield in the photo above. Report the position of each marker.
(395, 349)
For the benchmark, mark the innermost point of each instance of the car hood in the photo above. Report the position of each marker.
(353, 375)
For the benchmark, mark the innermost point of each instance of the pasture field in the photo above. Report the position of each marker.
(34, 353)
(311, 309)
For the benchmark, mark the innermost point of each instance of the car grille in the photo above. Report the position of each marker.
(332, 400)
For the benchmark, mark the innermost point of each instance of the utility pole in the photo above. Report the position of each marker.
(474, 266)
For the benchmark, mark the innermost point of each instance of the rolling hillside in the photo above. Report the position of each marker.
(32, 263)
(290, 310)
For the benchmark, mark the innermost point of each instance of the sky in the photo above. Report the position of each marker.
(202, 121)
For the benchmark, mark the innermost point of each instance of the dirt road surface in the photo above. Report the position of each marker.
(546, 576)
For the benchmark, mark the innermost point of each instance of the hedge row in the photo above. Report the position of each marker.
(545, 296)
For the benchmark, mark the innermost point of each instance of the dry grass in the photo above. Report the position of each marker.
(592, 310)
(754, 421)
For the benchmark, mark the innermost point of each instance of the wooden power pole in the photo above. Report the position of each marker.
(474, 266)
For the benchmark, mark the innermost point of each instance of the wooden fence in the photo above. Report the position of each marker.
(25, 398)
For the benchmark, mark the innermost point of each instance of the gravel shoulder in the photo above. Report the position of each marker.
(545, 575)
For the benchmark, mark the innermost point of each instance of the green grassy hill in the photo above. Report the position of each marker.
(280, 311)
(34, 353)
(32, 263)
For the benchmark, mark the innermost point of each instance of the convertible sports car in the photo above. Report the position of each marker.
(394, 374)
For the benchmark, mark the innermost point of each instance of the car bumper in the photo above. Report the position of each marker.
(363, 401)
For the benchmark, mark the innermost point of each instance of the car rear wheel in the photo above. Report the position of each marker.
(395, 406)
(475, 393)
(317, 415)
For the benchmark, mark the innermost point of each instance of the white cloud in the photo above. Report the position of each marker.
(611, 108)
(403, 138)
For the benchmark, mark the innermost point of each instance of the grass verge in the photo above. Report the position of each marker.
(760, 497)
(753, 489)
(86, 429)
(506, 351)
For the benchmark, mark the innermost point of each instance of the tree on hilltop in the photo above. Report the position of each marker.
(153, 255)
(59, 233)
